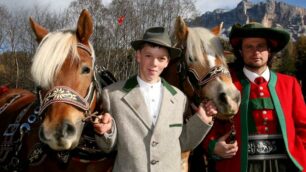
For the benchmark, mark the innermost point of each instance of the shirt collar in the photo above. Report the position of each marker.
(144, 84)
(252, 75)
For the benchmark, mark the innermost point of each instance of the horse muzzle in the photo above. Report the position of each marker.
(63, 137)
(228, 105)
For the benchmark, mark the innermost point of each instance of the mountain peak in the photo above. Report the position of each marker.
(270, 13)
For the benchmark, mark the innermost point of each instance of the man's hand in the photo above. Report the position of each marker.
(224, 150)
(103, 124)
(206, 111)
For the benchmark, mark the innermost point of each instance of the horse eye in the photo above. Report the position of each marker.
(85, 70)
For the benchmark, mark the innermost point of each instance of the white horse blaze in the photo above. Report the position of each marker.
(211, 60)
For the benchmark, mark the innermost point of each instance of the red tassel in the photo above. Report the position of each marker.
(120, 20)
(3, 89)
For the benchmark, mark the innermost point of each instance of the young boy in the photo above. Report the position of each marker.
(146, 126)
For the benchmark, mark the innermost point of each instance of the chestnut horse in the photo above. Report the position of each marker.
(201, 72)
(50, 131)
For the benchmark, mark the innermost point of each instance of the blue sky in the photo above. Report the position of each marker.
(201, 5)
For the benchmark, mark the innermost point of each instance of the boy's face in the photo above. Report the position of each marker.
(152, 61)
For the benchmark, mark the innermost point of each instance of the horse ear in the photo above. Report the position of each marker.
(39, 31)
(217, 29)
(85, 26)
(181, 29)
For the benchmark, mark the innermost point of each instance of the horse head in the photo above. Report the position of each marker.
(63, 66)
(206, 74)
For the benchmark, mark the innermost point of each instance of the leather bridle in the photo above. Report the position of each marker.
(64, 94)
(188, 76)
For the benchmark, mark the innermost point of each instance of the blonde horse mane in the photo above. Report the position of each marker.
(51, 55)
(200, 42)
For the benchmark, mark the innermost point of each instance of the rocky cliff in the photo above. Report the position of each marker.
(271, 13)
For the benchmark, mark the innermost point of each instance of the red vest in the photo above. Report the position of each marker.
(264, 119)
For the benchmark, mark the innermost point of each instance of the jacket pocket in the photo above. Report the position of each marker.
(176, 125)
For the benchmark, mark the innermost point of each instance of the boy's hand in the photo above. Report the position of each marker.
(103, 124)
(206, 111)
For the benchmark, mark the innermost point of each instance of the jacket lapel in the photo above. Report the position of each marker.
(135, 100)
(167, 107)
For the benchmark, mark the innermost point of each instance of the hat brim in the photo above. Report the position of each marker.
(278, 38)
(174, 52)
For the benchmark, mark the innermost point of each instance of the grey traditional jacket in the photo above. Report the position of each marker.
(141, 146)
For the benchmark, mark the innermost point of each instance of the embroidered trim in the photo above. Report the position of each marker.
(37, 155)
(65, 95)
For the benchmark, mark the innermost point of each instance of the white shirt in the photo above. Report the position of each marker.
(252, 75)
(152, 94)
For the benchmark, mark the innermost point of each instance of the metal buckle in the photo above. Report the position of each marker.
(262, 147)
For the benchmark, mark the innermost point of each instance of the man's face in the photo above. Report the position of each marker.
(152, 61)
(255, 53)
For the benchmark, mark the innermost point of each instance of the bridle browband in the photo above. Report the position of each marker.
(63, 94)
(213, 73)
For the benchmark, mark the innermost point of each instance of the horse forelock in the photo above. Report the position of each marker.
(93, 55)
(202, 46)
(51, 55)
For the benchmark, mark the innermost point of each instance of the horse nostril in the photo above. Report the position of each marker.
(222, 97)
(70, 129)
(65, 130)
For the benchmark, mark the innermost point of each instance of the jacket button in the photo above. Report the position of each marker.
(153, 162)
(154, 143)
